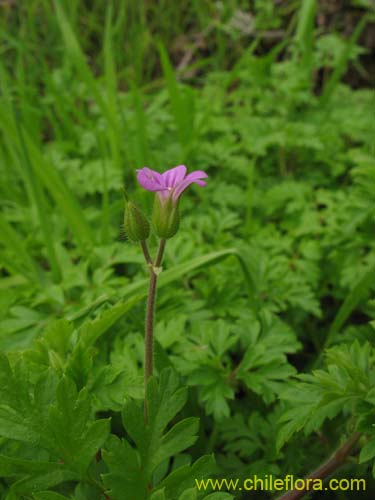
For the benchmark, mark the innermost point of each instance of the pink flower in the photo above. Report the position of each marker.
(170, 184)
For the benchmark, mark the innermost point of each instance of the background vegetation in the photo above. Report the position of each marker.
(266, 305)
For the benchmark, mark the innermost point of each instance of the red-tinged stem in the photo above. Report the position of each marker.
(149, 333)
(324, 470)
(146, 253)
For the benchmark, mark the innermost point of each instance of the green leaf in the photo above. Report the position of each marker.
(49, 495)
(42, 482)
(182, 104)
(345, 385)
(91, 331)
(219, 495)
(190, 494)
(355, 296)
(305, 32)
(59, 191)
(10, 466)
(53, 346)
(341, 66)
(22, 260)
(264, 367)
(158, 495)
(180, 479)
(113, 386)
(132, 469)
(194, 265)
(77, 57)
(16, 408)
(125, 472)
(214, 390)
(79, 364)
(76, 54)
(72, 434)
(368, 451)
(165, 400)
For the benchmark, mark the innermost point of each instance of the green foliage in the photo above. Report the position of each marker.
(46, 414)
(261, 347)
(48, 495)
(265, 307)
(346, 386)
(134, 470)
(264, 367)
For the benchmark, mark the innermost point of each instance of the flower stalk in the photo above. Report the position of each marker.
(154, 268)
(149, 333)
(168, 187)
(337, 459)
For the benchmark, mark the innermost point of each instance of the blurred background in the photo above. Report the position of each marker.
(271, 98)
(274, 100)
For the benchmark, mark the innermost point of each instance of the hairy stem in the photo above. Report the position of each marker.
(324, 470)
(146, 253)
(149, 333)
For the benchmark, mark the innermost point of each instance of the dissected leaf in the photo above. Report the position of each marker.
(131, 469)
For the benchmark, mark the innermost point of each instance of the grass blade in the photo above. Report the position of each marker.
(304, 36)
(78, 59)
(91, 331)
(192, 266)
(42, 207)
(134, 293)
(63, 197)
(182, 104)
(343, 62)
(23, 261)
(357, 294)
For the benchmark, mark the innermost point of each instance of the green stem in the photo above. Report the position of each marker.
(149, 333)
(282, 162)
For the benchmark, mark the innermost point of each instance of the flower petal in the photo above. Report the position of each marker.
(174, 175)
(189, 179)
(150, 180)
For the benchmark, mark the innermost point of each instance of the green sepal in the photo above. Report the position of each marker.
(136, 225)
(165, 217)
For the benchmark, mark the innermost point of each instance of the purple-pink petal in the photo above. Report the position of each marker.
(150, 180)
(171, 183)
(194, 177)
(174, 175)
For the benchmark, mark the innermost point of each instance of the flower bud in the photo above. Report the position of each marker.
(165, 217)
(136, 225)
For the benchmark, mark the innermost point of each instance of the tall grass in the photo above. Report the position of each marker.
(76, 63)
